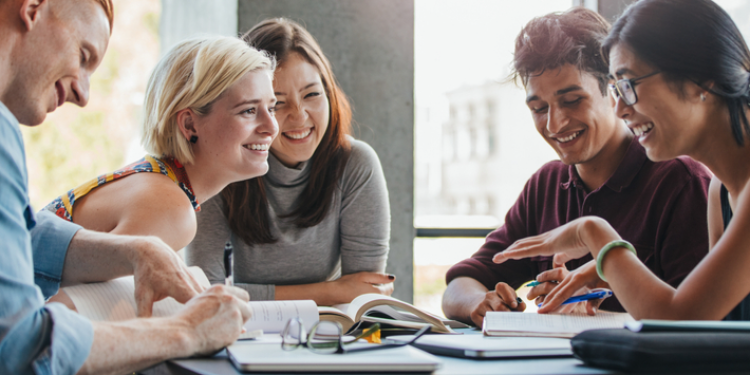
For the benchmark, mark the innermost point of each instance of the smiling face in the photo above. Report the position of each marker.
(667, 124)
(56, 59)
(571, 113)
(234, 137)
(302, 110)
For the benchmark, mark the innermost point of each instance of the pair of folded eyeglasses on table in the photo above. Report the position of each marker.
(327, 337)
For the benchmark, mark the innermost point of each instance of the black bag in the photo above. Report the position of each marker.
(664, 352)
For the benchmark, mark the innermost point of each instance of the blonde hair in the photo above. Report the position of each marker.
(109, 10)
(193, 74)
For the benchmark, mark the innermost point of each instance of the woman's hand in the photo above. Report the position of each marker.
(348, 287)
(570, 241)
(561, 284)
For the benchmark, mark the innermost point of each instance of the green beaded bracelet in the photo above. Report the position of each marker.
(603, 252)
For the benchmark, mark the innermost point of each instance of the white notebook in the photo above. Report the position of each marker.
(498, 323)
(267, 356)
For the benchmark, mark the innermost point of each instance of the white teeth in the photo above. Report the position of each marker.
(258, 147)
(642, 129)
(299, 135)
(568, 138)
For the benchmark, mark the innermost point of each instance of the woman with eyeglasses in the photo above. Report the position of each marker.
(681, 73)
(317, 226)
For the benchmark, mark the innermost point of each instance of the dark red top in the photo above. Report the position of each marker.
(659, 207)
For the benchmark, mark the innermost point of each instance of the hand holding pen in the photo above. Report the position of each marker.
(558, 285)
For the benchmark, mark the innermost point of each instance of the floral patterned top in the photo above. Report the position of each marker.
(62, 206)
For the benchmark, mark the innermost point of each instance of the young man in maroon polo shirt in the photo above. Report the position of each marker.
(602, 171)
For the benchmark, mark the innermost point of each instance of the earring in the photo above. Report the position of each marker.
(703, 96)
(194, 139)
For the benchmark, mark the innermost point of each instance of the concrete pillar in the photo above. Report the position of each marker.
(182, 19)
(370, 44)
(610, 9)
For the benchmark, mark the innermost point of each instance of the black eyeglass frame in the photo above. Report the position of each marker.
(340, 349)
(632, 82)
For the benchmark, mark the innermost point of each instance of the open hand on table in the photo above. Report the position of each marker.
(349, 287)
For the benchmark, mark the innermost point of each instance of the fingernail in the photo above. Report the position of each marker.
(594, 309)
(391, 277)
(519, 300)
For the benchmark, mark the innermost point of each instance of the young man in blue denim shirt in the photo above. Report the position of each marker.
(48, 51)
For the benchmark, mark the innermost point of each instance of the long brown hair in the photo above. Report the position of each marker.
(245, 202)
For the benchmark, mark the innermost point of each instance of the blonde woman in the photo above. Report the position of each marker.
(209, 122)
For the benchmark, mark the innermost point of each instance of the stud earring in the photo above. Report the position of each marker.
(194, 139)
(703, 96)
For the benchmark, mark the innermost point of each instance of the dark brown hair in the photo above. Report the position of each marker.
(245, 202)
(551, 41)
(694, 41)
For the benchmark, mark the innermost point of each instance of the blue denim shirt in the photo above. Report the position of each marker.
(34, 338)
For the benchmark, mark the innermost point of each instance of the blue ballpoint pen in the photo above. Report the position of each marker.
(599, 294)
(228, 264)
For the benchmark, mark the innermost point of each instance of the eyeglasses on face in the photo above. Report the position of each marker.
(625, 88)
(326, 337)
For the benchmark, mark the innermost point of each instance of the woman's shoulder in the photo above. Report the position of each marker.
(362, 156)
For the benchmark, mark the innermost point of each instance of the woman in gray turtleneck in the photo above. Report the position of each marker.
(317, 226)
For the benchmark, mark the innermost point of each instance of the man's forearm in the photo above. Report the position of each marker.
(95, 256)
(461, 297)
(125, 347)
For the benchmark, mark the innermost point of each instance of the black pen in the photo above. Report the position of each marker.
(518, 300)
(228, 264)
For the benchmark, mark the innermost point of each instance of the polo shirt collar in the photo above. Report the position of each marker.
(629, 167)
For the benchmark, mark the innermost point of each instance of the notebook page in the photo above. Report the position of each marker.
(496, 322)
(271, 316)
(114, 300)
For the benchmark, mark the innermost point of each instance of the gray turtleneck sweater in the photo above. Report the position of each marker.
(353, 237)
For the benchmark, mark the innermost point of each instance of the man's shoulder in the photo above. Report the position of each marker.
(552, 171)
(9, 127)
(682, 167)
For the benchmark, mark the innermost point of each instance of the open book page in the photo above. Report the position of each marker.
(498, 323)
(272, 316)
(399, 310)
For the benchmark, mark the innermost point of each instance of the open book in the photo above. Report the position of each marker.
(500, 323)
(386, 310)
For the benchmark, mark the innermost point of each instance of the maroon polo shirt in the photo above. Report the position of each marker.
(659, 207)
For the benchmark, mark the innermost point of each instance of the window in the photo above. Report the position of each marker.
(488, 145)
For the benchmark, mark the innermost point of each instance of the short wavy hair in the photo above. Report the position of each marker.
(193, 74)
(556, 39)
